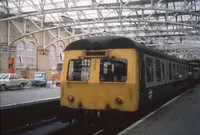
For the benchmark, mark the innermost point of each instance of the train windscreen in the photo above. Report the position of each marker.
(79, 70)
(113, 70)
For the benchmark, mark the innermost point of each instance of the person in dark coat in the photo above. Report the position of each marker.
(190, 81)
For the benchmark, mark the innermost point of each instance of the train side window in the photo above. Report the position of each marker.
(158, 71)
(113, 70)
(149, 69)
(184, 74)
(174, 71)
(181, 70)
(170, 71)
(163, 70)
(78, 70)
(186, 70)
(178, 71)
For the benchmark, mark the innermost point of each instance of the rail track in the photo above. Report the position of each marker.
(30, 127)
(51, 127)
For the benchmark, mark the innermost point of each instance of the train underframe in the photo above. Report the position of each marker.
(94, 118)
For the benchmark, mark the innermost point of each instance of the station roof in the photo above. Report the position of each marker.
(161, 24)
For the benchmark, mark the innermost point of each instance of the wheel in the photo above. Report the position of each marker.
(3, 87)
(21, 86)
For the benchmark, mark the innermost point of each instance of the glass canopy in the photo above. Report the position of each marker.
(156, 23)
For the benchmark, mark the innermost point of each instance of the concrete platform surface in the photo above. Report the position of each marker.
(181, 117)
(29, 94)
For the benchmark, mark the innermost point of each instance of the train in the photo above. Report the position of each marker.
(195, 69)
(107, 75)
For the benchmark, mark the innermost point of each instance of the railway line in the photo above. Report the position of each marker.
(35, 128)
(51, 127)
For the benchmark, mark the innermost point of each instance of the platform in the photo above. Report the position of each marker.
(29, 95)
(180, 117)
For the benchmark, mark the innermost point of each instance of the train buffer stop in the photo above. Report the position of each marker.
(180, 117)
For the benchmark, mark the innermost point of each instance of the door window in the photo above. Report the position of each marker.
(149, 70)
(158, 71)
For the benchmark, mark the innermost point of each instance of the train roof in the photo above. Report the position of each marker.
(196, 61)
(116, 42)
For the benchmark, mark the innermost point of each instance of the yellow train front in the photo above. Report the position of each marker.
(95, 78)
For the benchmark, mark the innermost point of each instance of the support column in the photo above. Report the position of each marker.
(152, 3)
(8, 40)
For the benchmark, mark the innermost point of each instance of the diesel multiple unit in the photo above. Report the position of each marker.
(115, 74)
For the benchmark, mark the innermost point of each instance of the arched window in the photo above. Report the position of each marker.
(31, 55)
(60, 54)
(20, 55)
(52, 57)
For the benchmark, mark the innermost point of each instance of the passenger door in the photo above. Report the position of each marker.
(164, 71)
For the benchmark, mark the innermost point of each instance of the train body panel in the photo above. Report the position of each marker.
(161, 93)
(101, 96)
(163, 84)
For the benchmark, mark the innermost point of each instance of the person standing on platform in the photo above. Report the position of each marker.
(190, 81)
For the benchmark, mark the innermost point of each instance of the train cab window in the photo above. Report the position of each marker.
(113, 70)
(170, 71)
(79, 70)
(149, 69)
(158, 70)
